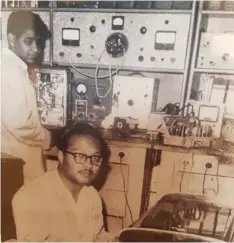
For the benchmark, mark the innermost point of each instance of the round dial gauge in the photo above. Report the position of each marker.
(81, 89)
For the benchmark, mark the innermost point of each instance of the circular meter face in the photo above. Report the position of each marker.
(81, 89)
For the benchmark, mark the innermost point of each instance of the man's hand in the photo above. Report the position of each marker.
(107, 237)
(50, 238)
(115, 239)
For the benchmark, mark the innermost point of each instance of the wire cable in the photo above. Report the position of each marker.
(110, 76)
(204, 181)
(183, 108)
(217, 180)
(149, 192)
(185, 164)
(190, 171)
(125, 192)
(96, 77)
(91, 76)
(172, 176)
(181, 179)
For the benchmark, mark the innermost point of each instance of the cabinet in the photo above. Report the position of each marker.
(11, 181)
(125, 182)
(194, 174)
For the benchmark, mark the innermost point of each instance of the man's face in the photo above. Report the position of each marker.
(75, 172)
(29, 47)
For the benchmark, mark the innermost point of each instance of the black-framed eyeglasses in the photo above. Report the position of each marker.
(95, 159)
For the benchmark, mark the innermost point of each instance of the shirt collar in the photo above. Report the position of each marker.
(17, 59)
(60, 188)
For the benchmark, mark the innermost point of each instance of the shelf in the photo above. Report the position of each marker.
(171, 11)
(130, 69)
(20, 9)
(229, 116)
(213, 12)
(216, 71)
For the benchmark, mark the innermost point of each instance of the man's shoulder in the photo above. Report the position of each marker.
(91, 192)
(8, 59)
(11, 64)
(35, 189)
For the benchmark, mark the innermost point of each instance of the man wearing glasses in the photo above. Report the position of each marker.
(62, 205)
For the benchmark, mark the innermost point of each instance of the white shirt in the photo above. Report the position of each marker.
(22, 133)
(44, 210)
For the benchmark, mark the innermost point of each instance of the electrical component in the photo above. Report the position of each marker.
(52, 89)
(116, 45)
(165, 40)
(71, 37)
(211, 115)
(228, 130)
(186, 132)
(187, 213)
(125, 126)
(208, 113)
(135, 104)
(124, 44)
(156, 125)
(81, 89)
(216, 51)
(189, 131)
(117, 22)
(85, 103)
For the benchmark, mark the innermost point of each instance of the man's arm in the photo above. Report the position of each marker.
(104, 236)
(17, 117)
(31, 223)
(100, 232)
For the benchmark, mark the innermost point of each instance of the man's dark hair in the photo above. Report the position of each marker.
(85, 129)
(22, 20)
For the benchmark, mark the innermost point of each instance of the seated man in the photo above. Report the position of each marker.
(62, 205)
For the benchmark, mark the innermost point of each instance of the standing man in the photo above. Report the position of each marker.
(22, 133)
(62, 204)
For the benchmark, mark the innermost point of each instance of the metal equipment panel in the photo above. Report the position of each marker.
(216, 51)
(130, 40)
(52, 88)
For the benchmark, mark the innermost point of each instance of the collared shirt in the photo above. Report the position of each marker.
(44, 210)
(22, 133)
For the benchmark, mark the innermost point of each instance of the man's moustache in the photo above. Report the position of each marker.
(87, 171)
